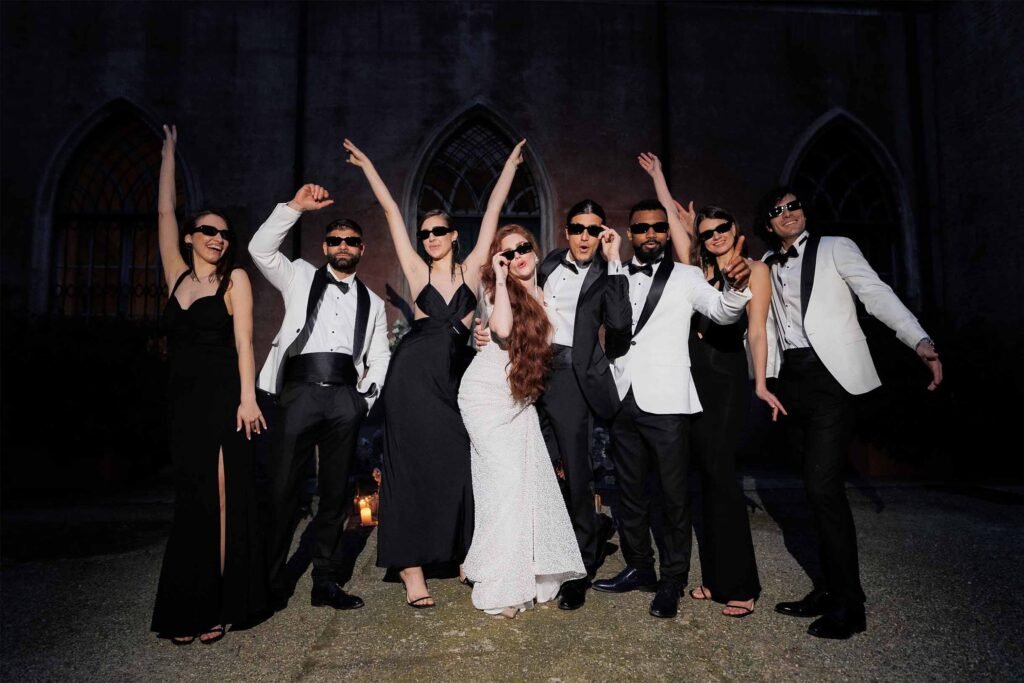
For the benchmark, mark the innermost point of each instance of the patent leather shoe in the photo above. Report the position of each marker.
(814, 604)
(666, 601)
(331, 595)
(629, 579)
(839, 623)
(573, 594)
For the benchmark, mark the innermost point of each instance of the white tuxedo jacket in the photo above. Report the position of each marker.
(295, 280)
(657, 365)
(833, 270)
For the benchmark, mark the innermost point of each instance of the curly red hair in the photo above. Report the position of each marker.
(529, 345)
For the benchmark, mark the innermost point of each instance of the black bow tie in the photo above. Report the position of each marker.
(782, 258)
(343, 286)
(647, 268)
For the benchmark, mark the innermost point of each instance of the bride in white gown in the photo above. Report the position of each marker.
(523, 545)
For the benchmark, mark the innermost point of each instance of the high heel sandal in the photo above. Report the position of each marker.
(218, 632)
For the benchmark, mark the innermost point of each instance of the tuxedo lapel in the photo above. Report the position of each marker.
(810, 262)
(657, 288)
(316, 293)
(548, 265)
(594, 272)
(362, 316)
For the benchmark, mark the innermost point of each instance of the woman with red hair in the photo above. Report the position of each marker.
(523, 545)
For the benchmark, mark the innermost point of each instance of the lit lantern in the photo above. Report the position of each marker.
(365, 505)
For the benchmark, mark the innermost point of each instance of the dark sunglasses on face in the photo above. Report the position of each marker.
(439, 231)
(578, 228)
(522, 249)
(641, 228)
(335, 241)
(776, 211)
(210, 231)
(721, 230)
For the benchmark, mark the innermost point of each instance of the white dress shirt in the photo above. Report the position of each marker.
(561, 295)
(639, 288)
(786, 299)
(336, 320)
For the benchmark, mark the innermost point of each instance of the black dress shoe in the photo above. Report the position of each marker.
(573, 594)
(666, 601)
(629, 579)
(331, 595)
(839, 624)
(814, 604)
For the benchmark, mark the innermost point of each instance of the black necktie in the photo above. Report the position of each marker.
(566, 263)
(343, 286)
(781, 258)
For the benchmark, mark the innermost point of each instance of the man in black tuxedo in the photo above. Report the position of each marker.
(580, 297)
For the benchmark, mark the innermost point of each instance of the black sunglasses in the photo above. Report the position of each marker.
(776, 211)
(210, 231)
(721, 230)
(439, 231)
(578, 228)
(335, 241)
(640, 228)
(522, 249)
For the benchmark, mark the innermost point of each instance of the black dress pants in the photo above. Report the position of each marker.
(327, 417)
(659, 445)
(819, 427)
(567, 425)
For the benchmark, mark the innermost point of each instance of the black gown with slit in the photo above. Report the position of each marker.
(203, 395)
(426, 495)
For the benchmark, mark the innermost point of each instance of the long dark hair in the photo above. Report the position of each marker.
(227, 258)
(582, 207)
(455, 243)
(699, 254)
(529, 346)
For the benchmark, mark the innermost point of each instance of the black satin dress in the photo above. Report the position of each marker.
(203, 395)
(426, 495)
(718, 363)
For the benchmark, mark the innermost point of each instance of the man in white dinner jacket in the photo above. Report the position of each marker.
(326, 366)
(650, 433)
(825, 361)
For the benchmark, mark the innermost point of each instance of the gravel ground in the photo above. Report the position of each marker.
(940, 566)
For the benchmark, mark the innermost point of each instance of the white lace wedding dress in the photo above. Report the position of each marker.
(523, 545)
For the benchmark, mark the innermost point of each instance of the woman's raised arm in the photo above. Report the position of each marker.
(413, 266)
(167, 221)
(489, 226)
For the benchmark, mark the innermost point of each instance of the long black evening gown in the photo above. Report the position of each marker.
(203, 395)
(718, 362)
(426, 496)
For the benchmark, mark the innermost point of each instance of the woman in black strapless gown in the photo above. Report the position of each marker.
(213, 572)
(426, 504)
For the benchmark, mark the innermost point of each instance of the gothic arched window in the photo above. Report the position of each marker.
(106, 261)
(461, 174)
(847, 192)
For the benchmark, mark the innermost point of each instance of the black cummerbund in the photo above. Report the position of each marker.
(561, 356)
(321, 368)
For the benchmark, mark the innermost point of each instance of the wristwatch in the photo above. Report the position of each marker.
(927, 340)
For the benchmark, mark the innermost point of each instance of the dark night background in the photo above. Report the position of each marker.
(900, 123)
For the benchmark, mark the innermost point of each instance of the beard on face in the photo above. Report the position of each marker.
(645, 255)
(343, 261)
